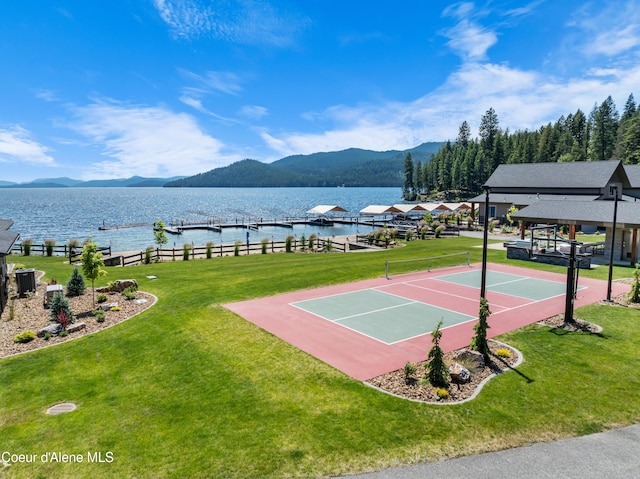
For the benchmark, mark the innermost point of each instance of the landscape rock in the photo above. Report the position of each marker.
(53, 329)
(72, 328)
(459, 374)
(473, 359)
(118, 286)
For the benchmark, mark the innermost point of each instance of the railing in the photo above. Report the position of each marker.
(217, 251)
(62, 250)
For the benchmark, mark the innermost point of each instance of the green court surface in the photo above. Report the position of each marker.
(382, 316)
(511, 284)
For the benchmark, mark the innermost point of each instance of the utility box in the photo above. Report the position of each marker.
(26, 281)
(51, 290)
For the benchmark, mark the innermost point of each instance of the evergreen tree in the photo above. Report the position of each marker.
(408, 192)
(479, 342)
(604, 131)
(75, 285)
(60, 305)
(437, 373)
(464, 134)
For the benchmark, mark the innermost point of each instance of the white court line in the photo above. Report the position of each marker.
(447, 294)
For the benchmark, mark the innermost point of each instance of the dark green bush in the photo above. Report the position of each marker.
(75, 285)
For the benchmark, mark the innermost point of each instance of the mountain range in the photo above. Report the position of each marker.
(64, 182)
(351, 167)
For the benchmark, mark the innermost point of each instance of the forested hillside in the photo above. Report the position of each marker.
(459, 169)
(352, 167)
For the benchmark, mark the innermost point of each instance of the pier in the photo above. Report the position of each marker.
(254, 224)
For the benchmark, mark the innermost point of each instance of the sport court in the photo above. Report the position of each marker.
(373, 327)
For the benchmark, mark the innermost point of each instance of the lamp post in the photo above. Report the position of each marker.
(612, 189)
(485, 241)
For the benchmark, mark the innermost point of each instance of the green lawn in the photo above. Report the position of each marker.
(188, 389)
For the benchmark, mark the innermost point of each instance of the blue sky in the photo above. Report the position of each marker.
(160, 88)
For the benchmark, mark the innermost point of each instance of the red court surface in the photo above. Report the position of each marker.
(363, 357)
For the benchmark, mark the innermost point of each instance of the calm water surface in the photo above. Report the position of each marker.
(77, 213)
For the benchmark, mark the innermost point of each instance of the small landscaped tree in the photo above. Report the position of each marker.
(479, 342)
(159, 233)
(436, 368)
(75, 285)
(60, 311)
(92, 265)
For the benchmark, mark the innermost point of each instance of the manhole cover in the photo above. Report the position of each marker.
(61, 408)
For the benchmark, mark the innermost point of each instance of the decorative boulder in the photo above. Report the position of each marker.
(472, 358)
(122, 284)
(53, 329)
(459, 374)
(72, 328)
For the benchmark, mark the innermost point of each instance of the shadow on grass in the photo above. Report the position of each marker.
(499, 365)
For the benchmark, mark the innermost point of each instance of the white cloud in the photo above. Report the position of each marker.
(147, 141)
(253, 112)
(248, 22)
(468, 38)
(16, 146)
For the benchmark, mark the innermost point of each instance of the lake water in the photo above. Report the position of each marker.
(77, 213)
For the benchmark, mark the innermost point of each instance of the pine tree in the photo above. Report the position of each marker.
(479, 342)
(437, 373)
(59, 304)
(408, 186)
(75, 285)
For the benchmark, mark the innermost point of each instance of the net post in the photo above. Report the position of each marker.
(386, 269)
(468, 258)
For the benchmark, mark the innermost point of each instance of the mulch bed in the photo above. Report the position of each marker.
(416, 389)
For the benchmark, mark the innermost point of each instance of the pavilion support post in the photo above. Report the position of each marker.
(634, 246)
(613, 191)
(485, 242)
(572, 232)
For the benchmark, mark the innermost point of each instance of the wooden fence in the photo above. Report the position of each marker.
(220, 250)
(62, 250)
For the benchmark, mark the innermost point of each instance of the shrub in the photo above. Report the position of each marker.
(63, 319)
(503, 353)
(634, 294)
(288, 243)
(129, 293)
(60, 304)
(49, 244)
(63, 334)
(26, 246)
(186, 249)
(209, 249)
(99, 315)
(438, 231)
(75, 285)
(236, 248)
(102, 298)
(47, 336)
(24, 337)
(73, 246)
(264, 243)
(442, 393)
(148, 255)
(312, 242)
(328, 245)
(408, 236)
(303, 242)
(115, 308)
(408, 372)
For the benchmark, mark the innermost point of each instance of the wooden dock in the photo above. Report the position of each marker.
(254, 224)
